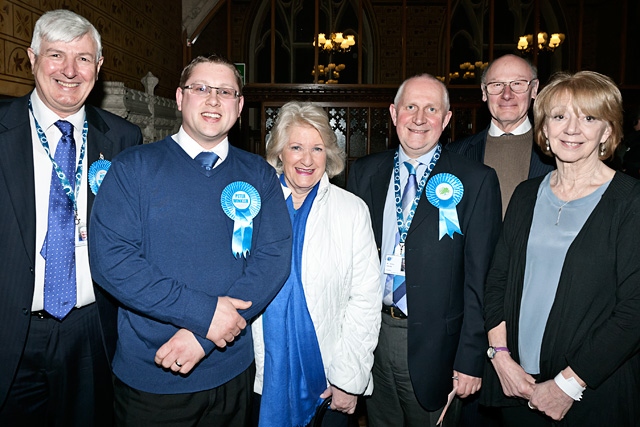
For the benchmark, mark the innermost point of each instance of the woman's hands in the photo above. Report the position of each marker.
(549, 399)
(340, 400)
(514, 380)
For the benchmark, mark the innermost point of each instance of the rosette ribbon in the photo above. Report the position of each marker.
(241, 202)
(97, 171)
(444, 191)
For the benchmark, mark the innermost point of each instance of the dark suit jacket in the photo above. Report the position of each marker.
(108, 134)
(445, 278)
(474, 145)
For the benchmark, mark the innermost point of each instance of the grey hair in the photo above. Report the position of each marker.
(63, 26)
(296, 113)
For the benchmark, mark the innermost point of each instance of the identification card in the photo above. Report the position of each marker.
(81, 234)
(394, 264)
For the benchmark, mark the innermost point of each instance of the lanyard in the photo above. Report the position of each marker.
(66, 185)
(404, 224)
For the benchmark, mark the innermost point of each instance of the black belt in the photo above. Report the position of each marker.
(394, 312)
(41, 314)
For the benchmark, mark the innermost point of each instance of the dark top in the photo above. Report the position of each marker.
(594, 323)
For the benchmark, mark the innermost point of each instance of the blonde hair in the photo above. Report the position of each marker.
(296, 113)
(593, 93)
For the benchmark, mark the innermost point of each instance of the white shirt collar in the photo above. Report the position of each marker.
(192, 148)
(424, 160)
(46, 117)
(524, 127)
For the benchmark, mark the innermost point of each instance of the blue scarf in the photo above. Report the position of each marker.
(293, 371)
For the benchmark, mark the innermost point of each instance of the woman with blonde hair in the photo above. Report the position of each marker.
(562, 301)
(316, 339)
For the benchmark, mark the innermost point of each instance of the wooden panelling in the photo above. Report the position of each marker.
(138, 36)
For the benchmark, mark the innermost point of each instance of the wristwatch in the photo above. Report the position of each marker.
(491, 351)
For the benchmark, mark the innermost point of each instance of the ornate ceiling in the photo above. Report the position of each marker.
(194, 12)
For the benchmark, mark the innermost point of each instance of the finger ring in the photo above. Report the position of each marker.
(455, 378)
(178, 364)
(531, 406)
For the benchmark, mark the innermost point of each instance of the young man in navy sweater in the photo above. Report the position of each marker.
(193, 237)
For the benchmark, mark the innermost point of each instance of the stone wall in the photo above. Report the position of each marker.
(156, 116)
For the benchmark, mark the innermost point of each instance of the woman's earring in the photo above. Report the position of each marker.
(603, 149)
(548, 147)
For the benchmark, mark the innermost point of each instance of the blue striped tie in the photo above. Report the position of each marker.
(59, 247)
(396, 284)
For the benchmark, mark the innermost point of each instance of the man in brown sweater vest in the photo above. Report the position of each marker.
(508, 86)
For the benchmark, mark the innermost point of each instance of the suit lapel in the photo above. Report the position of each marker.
(97, 144)
(379, 187)
(16, 164)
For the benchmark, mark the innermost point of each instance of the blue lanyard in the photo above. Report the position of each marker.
(404, 224)
(66, 185)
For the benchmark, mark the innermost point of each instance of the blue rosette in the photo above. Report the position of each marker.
(96, 173)
(241, 202)
(444, 191)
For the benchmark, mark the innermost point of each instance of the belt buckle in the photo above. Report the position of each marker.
(393, 315)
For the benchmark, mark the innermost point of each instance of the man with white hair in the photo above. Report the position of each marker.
(58, 330)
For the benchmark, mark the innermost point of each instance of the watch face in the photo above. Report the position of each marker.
(491, 352)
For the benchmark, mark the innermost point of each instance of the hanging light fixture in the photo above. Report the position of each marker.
(336, 42)
(328, 74)
(525, 43)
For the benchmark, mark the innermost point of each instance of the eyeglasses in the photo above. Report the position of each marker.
(201, 89)
(516, 86)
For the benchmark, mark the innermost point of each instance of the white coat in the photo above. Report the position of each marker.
(341, 281)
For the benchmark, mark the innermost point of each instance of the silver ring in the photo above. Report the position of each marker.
(531, 406)
(178, 364)
(455, 378)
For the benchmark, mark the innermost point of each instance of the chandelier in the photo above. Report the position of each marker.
(525, 43)
(467, 71)
(328, 74)
(336, 42)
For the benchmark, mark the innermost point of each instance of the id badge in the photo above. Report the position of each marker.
(394, 264)
(81, 234)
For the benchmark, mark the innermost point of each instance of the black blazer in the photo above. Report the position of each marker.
(445, 278)
(108, 134)
(474, 145)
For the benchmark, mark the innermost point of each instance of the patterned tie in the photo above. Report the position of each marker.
(396, 284)
(207, 159)
(59, 248)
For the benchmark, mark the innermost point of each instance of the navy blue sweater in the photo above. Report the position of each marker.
(161, 244)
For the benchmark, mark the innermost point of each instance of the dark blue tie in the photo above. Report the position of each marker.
(207, 159)
(59, 247)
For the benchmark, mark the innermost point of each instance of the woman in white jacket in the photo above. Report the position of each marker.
(316, 339)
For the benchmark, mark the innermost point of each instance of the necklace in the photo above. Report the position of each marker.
(560, 211)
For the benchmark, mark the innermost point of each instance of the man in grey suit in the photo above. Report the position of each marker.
(58, 330)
